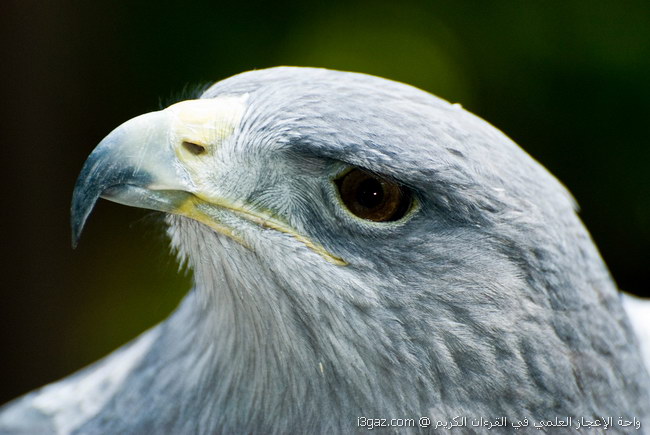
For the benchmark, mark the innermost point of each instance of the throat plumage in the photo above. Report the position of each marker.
(258, 360)
(287, 348)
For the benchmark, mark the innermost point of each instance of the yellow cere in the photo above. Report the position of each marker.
(209, 121)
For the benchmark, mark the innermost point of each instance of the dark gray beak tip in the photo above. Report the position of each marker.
(100, 173)
(96, 175)
(77, 224)
(85, 196)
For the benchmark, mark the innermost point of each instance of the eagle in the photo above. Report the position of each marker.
(362, 251)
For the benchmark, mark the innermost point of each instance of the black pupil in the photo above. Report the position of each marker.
(370, 193)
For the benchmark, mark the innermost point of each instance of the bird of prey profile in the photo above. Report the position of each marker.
(361, 249)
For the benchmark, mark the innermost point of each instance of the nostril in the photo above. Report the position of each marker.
(194, 148)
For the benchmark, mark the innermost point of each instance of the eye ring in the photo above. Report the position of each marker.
(373, 198)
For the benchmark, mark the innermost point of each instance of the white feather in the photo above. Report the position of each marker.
(73, 402)
(639, 312)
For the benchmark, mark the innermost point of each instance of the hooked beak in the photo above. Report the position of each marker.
(134, 166)
(146, 161)
(158, 161)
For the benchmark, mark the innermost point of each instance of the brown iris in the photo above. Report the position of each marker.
(371, 197)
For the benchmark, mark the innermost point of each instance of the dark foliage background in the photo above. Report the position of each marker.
(568, 81)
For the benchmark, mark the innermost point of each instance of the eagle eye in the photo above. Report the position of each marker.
(373, 198)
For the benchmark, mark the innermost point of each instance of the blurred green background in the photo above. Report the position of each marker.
(568, 81)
